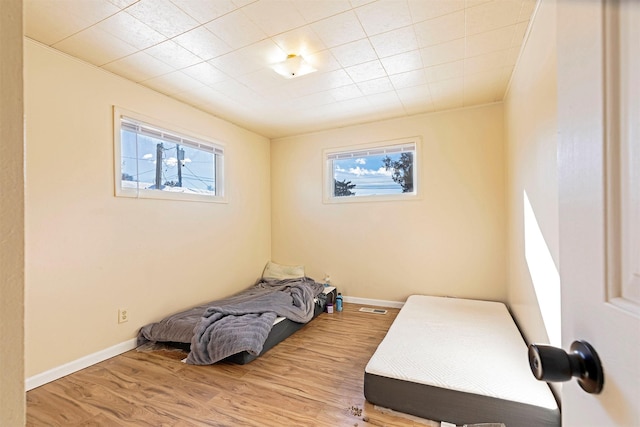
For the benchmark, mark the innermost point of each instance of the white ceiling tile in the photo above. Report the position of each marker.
(441, 53)
(323, 61)
(206, 73)
(204, 11)
(203, 43)
(316, 10)
(421, 10)
(416, 99)
(172, 53)
(95, 46)
(367, 71)
(442, 29)
(512, 55)
(163, 16)
(262, 81)
(280, 96)
(123, 3)
(139, 66)
(403, 62)
(172, 83)
(358, 3)
(236, 29)
(249, 59)
(350, 107)
(382, 99)
(490, 41)
(395, 42)
(314, 100)
(444, 71)
(274, 17)
(235, 63)
(333, 79)
(479, 95)
(198, 97)
(242, 3)
(386, 102)
(408, 79)
(264, 53)
(473, 3)
(485, 62)
(519, 33)
(301, 41)
(339, 29)
(503, 83)
(354, 53)
(447, 94)
(51, 21)
(371, 87)
(346, 92)
(482, 87)
(303, 86)
(528, 6)
(420, 93)
(491, 16)
(131, 30)
(383, 16)
(236, 91)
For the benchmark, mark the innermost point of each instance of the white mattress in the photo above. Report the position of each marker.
(464, 345)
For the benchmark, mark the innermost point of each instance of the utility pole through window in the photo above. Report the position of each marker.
(159, 150)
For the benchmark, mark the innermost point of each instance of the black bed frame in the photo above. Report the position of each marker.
(278, 333)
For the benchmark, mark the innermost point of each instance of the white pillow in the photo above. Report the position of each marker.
(281, 272)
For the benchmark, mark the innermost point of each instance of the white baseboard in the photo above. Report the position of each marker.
(76, 365)
(374, 302)
(92, 359)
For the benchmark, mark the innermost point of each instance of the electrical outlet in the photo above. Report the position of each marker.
(123, 315)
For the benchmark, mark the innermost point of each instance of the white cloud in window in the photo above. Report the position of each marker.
(358, 171)
(361, 161)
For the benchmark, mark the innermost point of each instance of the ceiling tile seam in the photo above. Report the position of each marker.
(217, 17)
(272, 36)
(87, 27)
(525, 39)
(413, 27)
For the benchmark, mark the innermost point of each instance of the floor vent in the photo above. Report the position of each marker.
(373, 310)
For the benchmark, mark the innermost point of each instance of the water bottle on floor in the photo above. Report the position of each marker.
(339, 302)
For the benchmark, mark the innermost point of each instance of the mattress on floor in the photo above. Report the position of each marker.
(461, 361)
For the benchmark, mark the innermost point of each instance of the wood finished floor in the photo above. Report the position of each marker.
(313, 378)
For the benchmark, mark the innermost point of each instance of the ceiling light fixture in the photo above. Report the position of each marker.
(293, 66)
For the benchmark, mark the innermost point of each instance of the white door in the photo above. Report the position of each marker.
(599, 190)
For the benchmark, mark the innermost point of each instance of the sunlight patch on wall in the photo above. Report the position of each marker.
(544, 274)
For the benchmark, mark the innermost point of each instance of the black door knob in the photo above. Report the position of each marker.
(554, 364)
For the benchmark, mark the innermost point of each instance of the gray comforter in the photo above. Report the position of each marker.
(239, 323)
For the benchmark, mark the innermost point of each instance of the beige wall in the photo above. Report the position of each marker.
(90, 253)
(450, 242)
(12, 402)
(531, 134)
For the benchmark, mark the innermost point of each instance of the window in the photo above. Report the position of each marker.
(153, 162)
(382, 171)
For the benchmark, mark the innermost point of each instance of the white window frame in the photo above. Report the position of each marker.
(172, 133)
(328, 155)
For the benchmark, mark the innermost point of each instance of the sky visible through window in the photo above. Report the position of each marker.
(368, 174)
(197, 166)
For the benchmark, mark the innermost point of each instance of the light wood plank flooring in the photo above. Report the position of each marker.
(313, 378)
